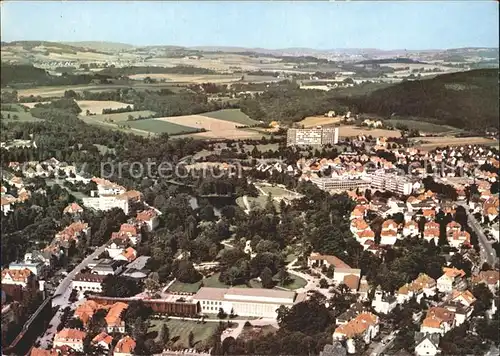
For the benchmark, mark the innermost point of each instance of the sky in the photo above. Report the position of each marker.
(319, 25)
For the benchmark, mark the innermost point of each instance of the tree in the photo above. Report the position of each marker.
(191, 339)
(266, 278)
(152, 285)
(185, 272)
(137, 309)
(221, 314)
(119, 286)
(484, 297)
(323, 283)
(308, 317)
(283, 276)
(164, 334)
(139, 328)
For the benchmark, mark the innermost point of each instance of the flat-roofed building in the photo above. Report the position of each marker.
(256, 302)
(313, 137)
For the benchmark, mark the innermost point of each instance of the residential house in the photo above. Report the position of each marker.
(149, 218)
(458, 239)
(452, 278)
(422, 286)
(351, 313)
(36, 267)
(125, 347)
(426, 344)
(74, 232)
(103, 340)
(128, 255)
(464, 297)
(342, 273)
(461, 311)
(117, 245)
(128, 231)
(73, 208)
(389, 233)
(364, 326)
(383, 302)
(490, 278)
(86, 310)
(410, 228)
(431, 232)
(114, 321)
(70, 337)
(21, 277)
(438, 320)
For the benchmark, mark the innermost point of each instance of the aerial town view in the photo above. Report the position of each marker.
(250, 178)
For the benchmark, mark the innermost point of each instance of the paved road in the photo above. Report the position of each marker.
(384, 344)
(487, 252)
(61, 297)
(66, 282)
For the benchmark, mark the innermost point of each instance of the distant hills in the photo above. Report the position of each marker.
(464, 100)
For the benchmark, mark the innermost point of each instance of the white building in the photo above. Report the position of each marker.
(383, 302)
(255, 302)
(70, 337)
(451, 279)
(88, 282)
(106, 203)
(426, 344)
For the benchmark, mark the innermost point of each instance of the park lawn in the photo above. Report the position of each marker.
(120, 117)
(422, 125)
(23, 116)
(160, 126)
(181, 287)
(297, 282)
(233, 115)
(111, 126)
(179, 330)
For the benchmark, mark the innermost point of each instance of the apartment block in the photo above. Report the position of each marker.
(313, 137)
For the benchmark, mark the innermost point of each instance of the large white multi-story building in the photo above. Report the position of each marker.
(256, 302)
(313, 137)
(391, 183)
(341, 183)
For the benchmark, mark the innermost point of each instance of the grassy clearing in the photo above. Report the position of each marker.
(179, 331)
(250, 332)
(232, 115)
(296, 282)
(121, 117)
(160, 126)
(97, 106)
(422, 125)
(15, 110)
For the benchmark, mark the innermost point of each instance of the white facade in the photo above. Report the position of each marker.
(35, 268)
(82, 286)
(426, 348)
(383, 303)
(245, 302)
(106, 203)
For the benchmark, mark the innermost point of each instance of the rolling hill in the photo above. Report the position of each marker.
(463, 100)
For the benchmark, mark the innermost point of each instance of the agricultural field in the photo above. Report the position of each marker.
(216, 128)
(96, 107)
(429, 143)
(231, 115)
(158, 126)
(350, 131)
(16, 113)
(422, 126)
(179, 331)
(188, 78)
(120, 117)
(320, 120)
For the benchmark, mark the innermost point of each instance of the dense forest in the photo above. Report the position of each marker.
(27, 75)
(463, 100)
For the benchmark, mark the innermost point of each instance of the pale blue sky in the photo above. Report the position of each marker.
(320, 25)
